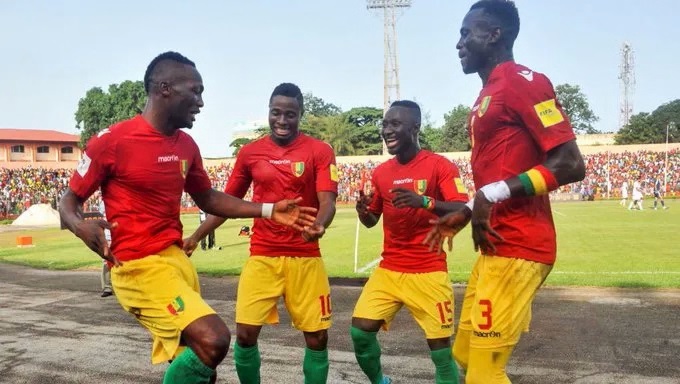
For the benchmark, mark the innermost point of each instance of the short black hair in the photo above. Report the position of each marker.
(412, 105)
(505, 13)
(170, 56)
(289, 90)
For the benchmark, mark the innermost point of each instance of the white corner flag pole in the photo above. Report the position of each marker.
(356, 247)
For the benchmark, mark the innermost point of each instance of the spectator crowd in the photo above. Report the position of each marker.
(605, 173)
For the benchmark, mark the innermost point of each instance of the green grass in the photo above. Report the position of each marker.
(600, 244)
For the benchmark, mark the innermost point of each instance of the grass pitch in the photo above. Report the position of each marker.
(599, 244)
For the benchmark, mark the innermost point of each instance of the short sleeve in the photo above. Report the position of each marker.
(326, 170)
(534, 102)
(239, 181)
(197, 179)
(95, 166)
(450, 183)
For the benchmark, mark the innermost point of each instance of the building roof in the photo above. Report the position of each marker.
(37, 135)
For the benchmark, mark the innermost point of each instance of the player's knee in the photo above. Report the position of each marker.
(316, 340)
(212, 348)
(246, 336)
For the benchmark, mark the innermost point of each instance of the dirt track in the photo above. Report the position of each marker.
(56, 329)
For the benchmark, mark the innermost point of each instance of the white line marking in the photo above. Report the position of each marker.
(559, 213)
(370, 265)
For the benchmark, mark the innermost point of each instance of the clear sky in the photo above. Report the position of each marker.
(54, 51)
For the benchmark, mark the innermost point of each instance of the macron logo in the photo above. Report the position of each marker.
(168, 159)
(279, 162)
(403, 181)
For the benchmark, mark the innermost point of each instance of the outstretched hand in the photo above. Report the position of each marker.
(289, 213)
(91, 232)
(446, 228)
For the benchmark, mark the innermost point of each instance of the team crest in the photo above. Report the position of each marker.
(176, 306)
(298, 168)
(420, 186)
(184, 167)
(483, 106)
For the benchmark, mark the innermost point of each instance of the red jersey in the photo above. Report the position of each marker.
(142, 174)
(404, 229)
(300, 169)
(515, 121)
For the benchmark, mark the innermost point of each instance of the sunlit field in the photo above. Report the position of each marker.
(599, 244)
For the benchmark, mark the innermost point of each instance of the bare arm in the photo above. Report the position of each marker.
(210, 224)
(564, 162)
(324, 218)
(326, 208)
(442, 208)
(220, 204)
(70, 210)
(91, 232)
(367, 218)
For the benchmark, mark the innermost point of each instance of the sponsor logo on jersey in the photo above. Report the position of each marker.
(548, 113)
(334, 173)
(168, 159)
(483, 106)
(83, 165)
(184, 167)
(176, 306)
(298, 168)
(403, 181)
(420, 186)
(279, 162)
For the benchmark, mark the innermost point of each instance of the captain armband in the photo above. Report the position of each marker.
(538, 181)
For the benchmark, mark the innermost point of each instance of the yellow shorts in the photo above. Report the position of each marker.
(498, 298)
(303, 283)
(428, 296)
(163, 293)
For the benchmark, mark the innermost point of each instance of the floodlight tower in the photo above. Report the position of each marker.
(391, 71)
(627, 77)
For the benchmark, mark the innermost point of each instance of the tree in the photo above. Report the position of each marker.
(576, 106)
(365, 123)
(430, 136)
(316, 106)
(455, 136)
(99, 109)
(237, 144)
(646, 128)
(338, 133)
(638, 130)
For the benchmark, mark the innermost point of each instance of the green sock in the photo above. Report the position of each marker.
(446, 370)
(367, 351)
(315, 366)
(247, 361)
(187, 368)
